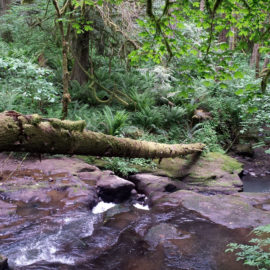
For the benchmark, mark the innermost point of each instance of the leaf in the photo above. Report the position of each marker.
(252, 109)
(239, 92)
(238, 75)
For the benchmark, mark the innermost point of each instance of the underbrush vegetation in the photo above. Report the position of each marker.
(163, 99)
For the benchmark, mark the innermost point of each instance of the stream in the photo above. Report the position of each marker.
(120, 237)
(256, 184)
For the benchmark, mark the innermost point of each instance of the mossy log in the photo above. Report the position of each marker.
(32, 133)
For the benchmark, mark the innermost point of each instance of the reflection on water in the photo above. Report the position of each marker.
(256, 184)
(121, 238)
(51, 240)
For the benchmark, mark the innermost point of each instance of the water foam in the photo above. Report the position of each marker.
(142, 207)
(102, 207)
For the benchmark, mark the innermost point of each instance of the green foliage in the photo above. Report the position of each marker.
(119, 166)
(113, 123)
(25, 83)
(149, 118)
(257, 253)
(124, 167)
(203, 73)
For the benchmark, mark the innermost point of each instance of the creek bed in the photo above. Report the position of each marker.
(121, 238)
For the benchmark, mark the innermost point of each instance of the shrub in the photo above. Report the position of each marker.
(257, 253)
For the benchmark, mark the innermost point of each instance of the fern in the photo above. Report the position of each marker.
(257, 253)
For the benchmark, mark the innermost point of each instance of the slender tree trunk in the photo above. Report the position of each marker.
(66, 96)
(255, 59)
(202, 5)
(232, 38)
(65, 39)
(31, 133)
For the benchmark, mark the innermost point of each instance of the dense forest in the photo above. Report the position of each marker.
(192, 72)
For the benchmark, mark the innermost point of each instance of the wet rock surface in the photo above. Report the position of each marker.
(46, 220)
(148, 183)
(231, 211)
(112, 188)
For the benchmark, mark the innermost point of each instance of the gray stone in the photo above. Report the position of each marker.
(233, 211)
(7, 209)
(148, 183)
(112, 188)
(161, 233)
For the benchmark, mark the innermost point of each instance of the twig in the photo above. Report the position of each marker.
(18, 167)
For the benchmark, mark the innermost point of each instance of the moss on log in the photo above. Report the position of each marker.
(32, 133)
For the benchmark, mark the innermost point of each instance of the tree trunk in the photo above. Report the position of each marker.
(232, 38)
(80, 49)
(4, 5)
(31, 133)
(255, 59)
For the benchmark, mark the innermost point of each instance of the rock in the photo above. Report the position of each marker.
(149, 183)
(90, 178)
(161, 233)
(112, 188)
(3, 262)
(215, 173)
(7, 209)
(244, 150)
(253, 174)
(266, 207)
(81, 196)
(232, 211)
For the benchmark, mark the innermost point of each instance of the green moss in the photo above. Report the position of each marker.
(68, 125)
(35, 119)
(230, 164)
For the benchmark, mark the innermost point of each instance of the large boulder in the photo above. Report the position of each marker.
(232, 211)
(212, 173)
(112, 188)
(63, 182)
(148, 183)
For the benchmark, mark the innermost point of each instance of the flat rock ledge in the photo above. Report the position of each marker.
(68, 183)
(240, 210)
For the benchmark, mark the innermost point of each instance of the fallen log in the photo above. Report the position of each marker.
(32, 133)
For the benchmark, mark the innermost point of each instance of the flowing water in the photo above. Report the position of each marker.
(256, 184)
(115, 237)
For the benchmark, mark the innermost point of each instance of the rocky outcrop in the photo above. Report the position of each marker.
(232, 211)
(148, 183)
(212, 173)
(112, 188)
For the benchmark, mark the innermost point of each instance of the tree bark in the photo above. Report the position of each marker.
(32, 133)
(81, 50)
(65, 46)
(255, 59)
(4, 5)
